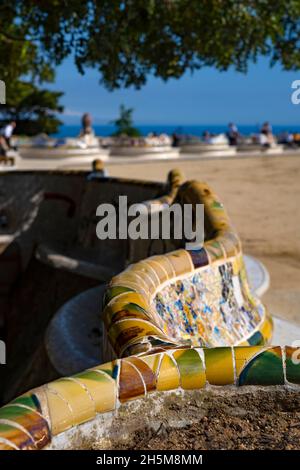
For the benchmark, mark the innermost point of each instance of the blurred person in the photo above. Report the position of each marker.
(232, 134)
(266, 128)
(263, 140)
(6, 133)
(206, 136)
(3, 146)
(290, 140)
(98, 171)
(286, 138)
(267, 131)
(175, 139)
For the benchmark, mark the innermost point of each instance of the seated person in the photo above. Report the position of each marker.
(98, 171)
(232, 134)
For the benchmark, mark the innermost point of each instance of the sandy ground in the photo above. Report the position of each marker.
(262, 196)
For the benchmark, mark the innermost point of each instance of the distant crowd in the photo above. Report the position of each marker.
(263, 137)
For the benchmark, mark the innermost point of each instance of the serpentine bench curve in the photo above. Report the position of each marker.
(187, 298)
(180, 321)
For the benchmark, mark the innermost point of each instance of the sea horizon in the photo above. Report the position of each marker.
(71, 130)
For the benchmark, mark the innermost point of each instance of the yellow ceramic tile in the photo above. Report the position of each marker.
(215, 251)
(181, 262)
(165, 264)
(134, 285)
(219, 220)
(191, 369)
(168, 377)
(61, 417)
(123, 302)
(131, 276)
(123, 332)
(244, 354)
(145, 267)
(232, 235)
(219, 366)
(110, 368)
(160, 271)
(243, 343)
(141, 274)
(127, 298)
(228, 244)
(101, 387)
(237, 265)
(267, 329)
(153, 361)
(77, 398)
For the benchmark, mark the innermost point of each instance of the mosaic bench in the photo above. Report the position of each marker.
(187, 298)
(73, 411)
(74, 337)
(176, 322)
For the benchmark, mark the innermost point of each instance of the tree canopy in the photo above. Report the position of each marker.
(23, 68)
(124, 123)
(126, 41)
(34, 109)
(130, 39)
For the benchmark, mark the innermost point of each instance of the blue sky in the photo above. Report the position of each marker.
(206, 97)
